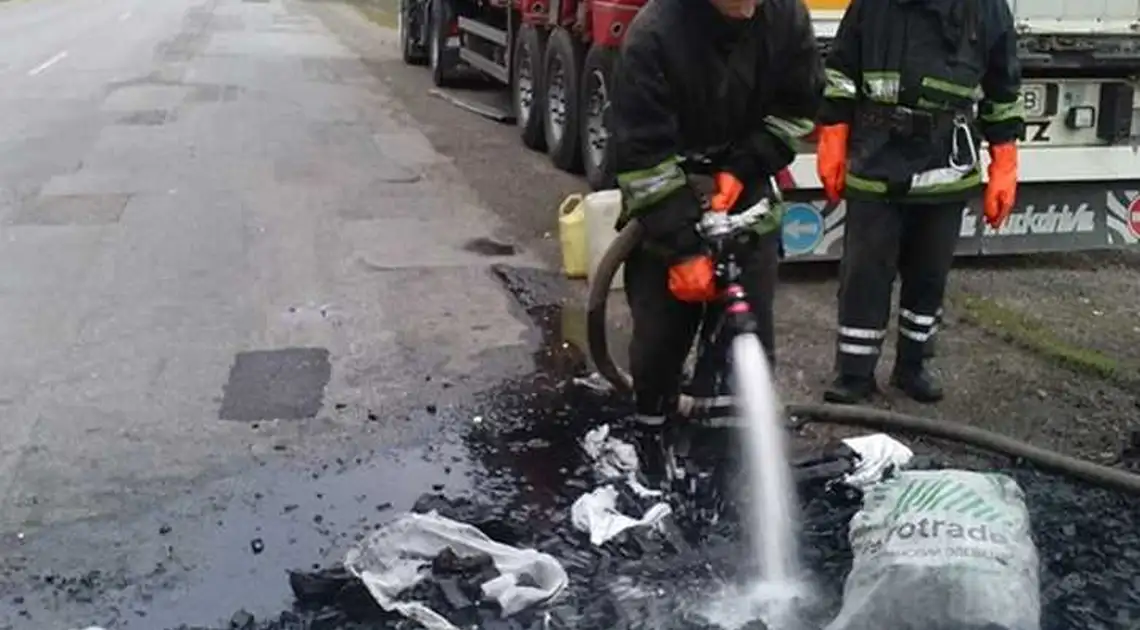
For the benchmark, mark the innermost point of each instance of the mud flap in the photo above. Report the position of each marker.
(489, 110)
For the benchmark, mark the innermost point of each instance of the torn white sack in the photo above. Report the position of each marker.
(878, 455)
(615, 459)
(594, 382)
(393, 558)
(596, 514)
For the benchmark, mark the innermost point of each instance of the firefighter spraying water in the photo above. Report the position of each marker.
(969, 528)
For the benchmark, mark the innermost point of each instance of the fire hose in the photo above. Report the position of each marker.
(848, 415)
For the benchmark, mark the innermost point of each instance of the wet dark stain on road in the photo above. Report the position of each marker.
(509, 462)
(286, 384)
(489, 247)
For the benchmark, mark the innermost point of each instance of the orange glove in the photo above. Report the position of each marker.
(693, 279)
(728, 191)
(1001, 187)
(831, 159)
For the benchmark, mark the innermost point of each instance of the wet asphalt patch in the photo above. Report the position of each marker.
(287, 384)
(146, 118)
(489, 247)
(525, 476)
(59, 210)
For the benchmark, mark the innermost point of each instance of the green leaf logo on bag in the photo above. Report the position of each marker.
(967, 508)
(944, 495)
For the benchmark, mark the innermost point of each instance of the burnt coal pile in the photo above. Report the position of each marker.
(659, 579)
(1088, 539)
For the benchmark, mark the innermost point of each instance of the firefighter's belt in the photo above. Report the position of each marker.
(903, 121)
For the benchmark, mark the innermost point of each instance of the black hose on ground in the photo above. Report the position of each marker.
(599, 294)
(864, 417)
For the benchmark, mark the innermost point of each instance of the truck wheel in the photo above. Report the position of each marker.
(526, 85)
(409, 19)
(442, 60)
(594, 108)
(562, 73)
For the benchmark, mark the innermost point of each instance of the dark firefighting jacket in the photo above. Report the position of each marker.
(921, 82)
(692, 87)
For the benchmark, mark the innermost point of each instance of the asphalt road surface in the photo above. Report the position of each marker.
(222, 243)
(258, 287)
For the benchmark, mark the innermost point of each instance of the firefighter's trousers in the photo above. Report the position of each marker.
(664, 328)
(882, 240)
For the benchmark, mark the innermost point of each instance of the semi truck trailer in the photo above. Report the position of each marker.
(1080, 169)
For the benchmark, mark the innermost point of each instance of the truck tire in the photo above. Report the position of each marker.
(597, 74)
(443, 63)
(409, 27)
(526, 85)
(562, 73)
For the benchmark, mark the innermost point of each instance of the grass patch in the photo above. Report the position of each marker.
(1029, 333)
(382, 12)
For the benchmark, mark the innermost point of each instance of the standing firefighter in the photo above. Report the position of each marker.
(714, 88)
(910, 84)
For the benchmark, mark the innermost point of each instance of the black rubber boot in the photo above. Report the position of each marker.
(929, 350)
(917, 382)
(850, 390)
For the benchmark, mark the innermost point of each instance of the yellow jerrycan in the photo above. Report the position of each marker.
(602, 209)
(572, 235)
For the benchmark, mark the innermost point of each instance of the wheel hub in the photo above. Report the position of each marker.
(524, 83)
(401, 26)
(435, 46)
(556, 101)
(597, 136)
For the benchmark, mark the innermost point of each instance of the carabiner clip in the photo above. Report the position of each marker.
(962, 128)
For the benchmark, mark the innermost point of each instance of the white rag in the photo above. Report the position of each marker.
(392, 560)
(596, 513)
(878, 454)
(615, 459)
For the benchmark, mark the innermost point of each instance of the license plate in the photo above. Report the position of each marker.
(1033, 100)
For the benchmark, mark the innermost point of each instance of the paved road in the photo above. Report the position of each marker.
(221, 243)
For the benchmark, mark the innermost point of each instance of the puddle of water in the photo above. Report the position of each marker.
(300, 523)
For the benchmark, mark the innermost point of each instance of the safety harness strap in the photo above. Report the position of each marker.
(933, 182)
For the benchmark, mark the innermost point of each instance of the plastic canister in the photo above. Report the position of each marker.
(602, 209)
(572, 235)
